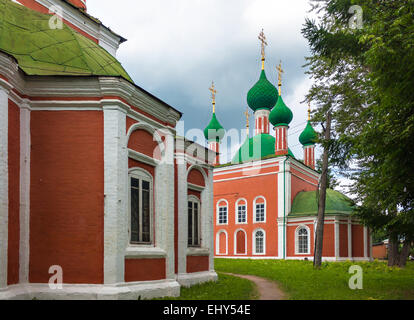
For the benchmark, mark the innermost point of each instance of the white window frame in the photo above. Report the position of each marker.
(218, 206)
(235, 243)
(194, 199)
(236, 219)
(302, 226)
(218, 243)
(254, 242)
(141, 174)
(255, 209)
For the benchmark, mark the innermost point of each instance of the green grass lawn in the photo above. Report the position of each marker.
(301, 282)
(226, 288)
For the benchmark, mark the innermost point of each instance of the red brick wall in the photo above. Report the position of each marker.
(343, 240)
(328, 240)
(143, 142)
(14, 193)
(144, 269)
(196, 177)
(67, 195)
(357, 241)
(379, 251)
(197, 263)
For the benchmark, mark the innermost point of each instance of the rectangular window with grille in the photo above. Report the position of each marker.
(140, 210)
(193, 224)
(260, 212)
(222, 218)
(241, 214)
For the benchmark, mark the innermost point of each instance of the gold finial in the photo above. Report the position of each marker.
(262, 39)
(247, 120)
(213, 96)
(280, 71)
(309, 111)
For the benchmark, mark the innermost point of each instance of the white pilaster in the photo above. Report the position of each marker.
(25, 142)
(164, 205)
(182, 214)
(207, 215)
(283, 204)
(4, 184)
(349, 238)
(337, 239)
(365, 242)
(115, 182)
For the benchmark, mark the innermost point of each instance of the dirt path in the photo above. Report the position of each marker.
(268, 290)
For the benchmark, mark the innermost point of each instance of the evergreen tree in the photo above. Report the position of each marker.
(364, 76)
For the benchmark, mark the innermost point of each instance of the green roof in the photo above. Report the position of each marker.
(214, 131)
(263, 95)
(39, 50)
(306, 204)
(281, 114)
(256, 148)
(308, 136)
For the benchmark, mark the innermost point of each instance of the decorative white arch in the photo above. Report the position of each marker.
(150, 129)
(217, 211)
(236, 211)
(254, 241)
(235, 242)
(254, 209)
(300, 227)
(200, 169)
(218, 242)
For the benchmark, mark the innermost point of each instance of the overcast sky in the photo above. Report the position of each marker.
(176, 48)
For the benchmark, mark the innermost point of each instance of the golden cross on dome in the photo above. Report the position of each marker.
(213, 96)
(262, 39)
(280, 71)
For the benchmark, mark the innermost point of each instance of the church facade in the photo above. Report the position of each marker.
(265, 200)
(98, 195)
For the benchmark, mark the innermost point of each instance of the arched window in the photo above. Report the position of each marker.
(302, 240)
(194, 210)
(260, 209)
(222, 212)
(259, 242)
(140, 206)
(221, 242)
(241, 211)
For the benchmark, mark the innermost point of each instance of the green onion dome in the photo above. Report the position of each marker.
(214, 131)
(281, 114)
(308, 136)
(263, 95)
(256, 148)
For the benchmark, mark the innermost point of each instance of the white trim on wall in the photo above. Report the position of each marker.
(254, 250)
(218, 242)
(4, 184)
(218, 206)
(297, 239)
(236, 213)
(235, 242)
(255, 209)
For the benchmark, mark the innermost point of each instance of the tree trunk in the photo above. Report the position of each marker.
(404, 254)
(393, 250)
(317, 260)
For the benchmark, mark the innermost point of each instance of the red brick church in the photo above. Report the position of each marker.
(93, 178)
(265, 199)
